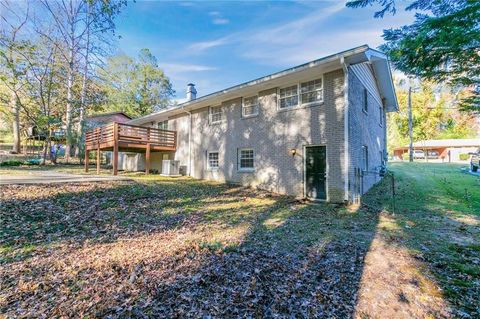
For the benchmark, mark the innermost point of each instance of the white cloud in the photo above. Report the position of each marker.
(218, 18)
(306, 38)
(205, 45)
(180, 67)
(220, 21)
(282, 35)
(312, 47)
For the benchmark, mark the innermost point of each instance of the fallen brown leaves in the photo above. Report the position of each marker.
(184, 249)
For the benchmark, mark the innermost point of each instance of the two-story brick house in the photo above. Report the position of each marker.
(316, 130)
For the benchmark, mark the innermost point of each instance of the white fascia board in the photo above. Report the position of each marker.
(257, 84)
(383, 73)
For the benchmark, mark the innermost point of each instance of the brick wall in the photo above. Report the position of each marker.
(364, 129)
(271, 134)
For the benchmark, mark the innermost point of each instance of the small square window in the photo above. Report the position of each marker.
(246, 159)
(216, 114)
(250, 106)
(212, 160)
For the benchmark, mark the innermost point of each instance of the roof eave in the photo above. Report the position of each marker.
(383, 73)
(191, 105)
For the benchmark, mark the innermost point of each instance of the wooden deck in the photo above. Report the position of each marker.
(117, 137)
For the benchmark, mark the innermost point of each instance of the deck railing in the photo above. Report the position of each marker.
(130, 135)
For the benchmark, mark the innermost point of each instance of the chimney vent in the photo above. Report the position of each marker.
(191, 92)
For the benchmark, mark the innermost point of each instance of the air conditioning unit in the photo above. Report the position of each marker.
(170, 168)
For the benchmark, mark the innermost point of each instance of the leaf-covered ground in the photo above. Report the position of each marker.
(180, 248)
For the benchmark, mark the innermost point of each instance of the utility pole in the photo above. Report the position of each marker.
(410, 124)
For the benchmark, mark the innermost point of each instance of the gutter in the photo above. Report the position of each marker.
(233, 89)
(189, 140)
(345, 129)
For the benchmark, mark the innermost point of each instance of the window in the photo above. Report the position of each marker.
(311, 92)
(365, 100)
(212, 160)
(163, 125)
(288, 97)
(250, 106)
(216, 114)
(380, 109)
(246, 160)
(364, 158)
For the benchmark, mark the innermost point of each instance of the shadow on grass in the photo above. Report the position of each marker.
(259, 255)
(290, 259)
(437, 218)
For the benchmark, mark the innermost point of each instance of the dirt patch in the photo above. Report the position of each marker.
(393, 286)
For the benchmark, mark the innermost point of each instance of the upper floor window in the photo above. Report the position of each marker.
(312, 91)
(250, 106)
(302, 94)
(288, 97)
(365, 100)
(216, 114)
(163, 125)
(212, 160)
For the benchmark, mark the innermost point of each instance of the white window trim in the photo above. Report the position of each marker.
(300, 92)
(288, 107)
(243, 105)
(299, 103)
(365, 101)
(365, 163)
(245, 169)
(209, 168)
(210, 114)
(168, 125)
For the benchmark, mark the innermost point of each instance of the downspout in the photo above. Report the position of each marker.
(189, 140)
(346, 129)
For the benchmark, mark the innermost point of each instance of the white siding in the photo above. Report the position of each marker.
(364, 73)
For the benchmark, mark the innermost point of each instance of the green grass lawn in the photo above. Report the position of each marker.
(438, 219)
(164, 247)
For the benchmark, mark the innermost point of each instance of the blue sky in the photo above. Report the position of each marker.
(219, 44)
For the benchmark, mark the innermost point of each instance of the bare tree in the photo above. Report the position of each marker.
(79, 22)
(10, 43)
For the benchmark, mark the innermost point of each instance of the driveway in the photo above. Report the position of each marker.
(48, 177)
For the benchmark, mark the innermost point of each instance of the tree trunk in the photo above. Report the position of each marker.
(16, 124)
(68, 113)
(81, 124)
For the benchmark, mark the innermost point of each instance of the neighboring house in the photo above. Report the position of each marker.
(447, 150)
(105, 118)
(316, 130)
(98, 120)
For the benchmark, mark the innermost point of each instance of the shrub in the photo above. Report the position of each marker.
(11, 163)
(464, 157)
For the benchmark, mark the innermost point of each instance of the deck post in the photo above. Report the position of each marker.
(115, 148)
(147, 160)
(87, 153)
(98, 160)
